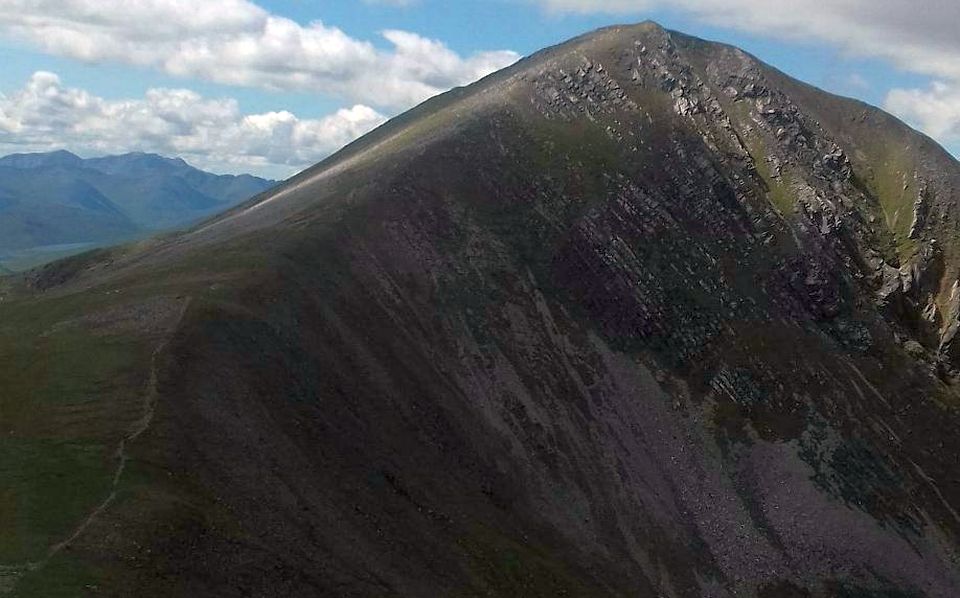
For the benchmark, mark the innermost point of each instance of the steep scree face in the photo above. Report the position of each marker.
(638, 316)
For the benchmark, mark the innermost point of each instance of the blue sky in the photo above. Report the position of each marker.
(270, 87)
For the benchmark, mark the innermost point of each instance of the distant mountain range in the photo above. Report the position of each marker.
(56, 203)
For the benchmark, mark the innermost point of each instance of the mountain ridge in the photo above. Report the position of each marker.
(637, 317)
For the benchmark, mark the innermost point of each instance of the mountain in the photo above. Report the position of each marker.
(57, 198)
(42, 208)
(637, 316)
(61, 158)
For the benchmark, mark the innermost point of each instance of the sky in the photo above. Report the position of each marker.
(271, 87)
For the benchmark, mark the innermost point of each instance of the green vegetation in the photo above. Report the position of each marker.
(779, 190)
(68, 396)
(508, 568)
(889, 177)
(74, 371)
(62, 577)
(49, 486)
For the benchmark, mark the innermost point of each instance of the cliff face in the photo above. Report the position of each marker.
(636, 316)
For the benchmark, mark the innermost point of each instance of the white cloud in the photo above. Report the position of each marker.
(935, 110)
(211, 133)
(236, 42)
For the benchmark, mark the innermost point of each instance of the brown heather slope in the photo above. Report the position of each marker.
(637, 316)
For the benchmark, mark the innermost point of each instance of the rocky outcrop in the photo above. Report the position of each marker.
(921, 208)
(589, 90)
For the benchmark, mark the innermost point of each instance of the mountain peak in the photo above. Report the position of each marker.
(41, 159)
(150, 156)
(64, 154)
(638, 315)
(140, 158)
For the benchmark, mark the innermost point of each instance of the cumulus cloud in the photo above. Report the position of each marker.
(211, 133)
(935, 110)
(236, 42)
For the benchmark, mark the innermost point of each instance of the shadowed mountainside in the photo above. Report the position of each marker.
(637, 316)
